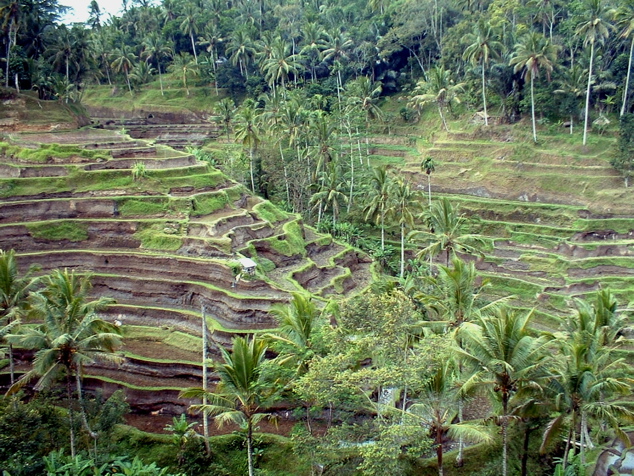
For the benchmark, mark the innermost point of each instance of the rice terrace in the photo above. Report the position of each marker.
(317, 238)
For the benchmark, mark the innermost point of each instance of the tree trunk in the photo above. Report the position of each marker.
(504, 435)
(484, 96)
(250, 445)
(382, 227)
(82, 408)
(533, 111)
(71, 419)
(11, 365)
(627, 78)
(402, 250)
(251, 170)
(127, 78)
(286, 183)
(204, 362)
(527, 436)
(191, 36)
(571, 437)
(442, 116)
(429, 189)
(6, 74)
(460, 458)
(158, 63)
(587, 111)
(439, 451)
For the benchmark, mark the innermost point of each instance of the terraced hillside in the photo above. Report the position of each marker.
(560, 220)
(161, 233)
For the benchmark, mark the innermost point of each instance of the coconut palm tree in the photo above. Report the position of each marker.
(336, 50)
(624, 17)
(297, 323)
(14, 290)
(280, 65)
(507, 358)
(438, 89)
(11, 13)
(401, 210)
(247, 132)
(332, 192)
(241, 50)
(428, 165)
(185, 66)
(378, 198)
(437, 408)
(594, 29)
(446, 232)
(572, 87)
(533, 54)
(124, 59)
(72, 336)
(189, 25)
(313, 45)
(226, 108)
(242, 391)
(155, 48)
(483, 45)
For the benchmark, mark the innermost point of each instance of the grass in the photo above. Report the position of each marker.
(47, 152)
(153, 237)
(206, 204)
(145, 206)
(269, 212)
(58, 230)
(168, 336)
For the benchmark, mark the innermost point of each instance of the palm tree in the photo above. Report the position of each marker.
(337, 46)
(189, 25)
(571, 86)
(297, 323)
(331, 192)
(241, 50)
(10, 16)
(428, 165)
(280, 65)
(61, 50)
(226, 108)
(248, 133)
(507, 358)
(378, 199)
(71, 337)
(242, 391)
(14, 291)
(438, 89)
(155, 48)
(595, 29)
(314, 44)
(483, 46)
(446, 232)
(124, 59)
(437, 408)
(624, 16)
(184, 65)
(533, 53)
(403, 200)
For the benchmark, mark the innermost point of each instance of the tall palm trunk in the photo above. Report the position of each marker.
(250, 445)
(71, 418)
(587, 111)
(191, 36)
(505, 437)
(286, 183)
(251, 169)
(158, 63)
(484, 97)
(533, 109)
(442, 116)
(402, 250)
(439, 450)
(11, 365)
(627, 78)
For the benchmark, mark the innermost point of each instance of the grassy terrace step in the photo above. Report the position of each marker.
(241, 309)
(134, 264)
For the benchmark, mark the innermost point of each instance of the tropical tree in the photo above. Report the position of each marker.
(242, 391)
(124, 59)
(446, 232)
(72, 336)
(401, 210)
(336, 49)
(532, 54)
(189, 25)
(439, 89)
(185, 66)
(14, 290)
(594, 29)
(247, 132)
(226, 108)
(280, 65)
(313, 45)
(241, 50)
(572, 88)
(507, 357)
(378, 199)
(11, 14)
(428, 165)
(297, 325)
(590, 377)
(483, 45)
(332, 192)
(624, 17)
(155, 48)
(437, 409)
